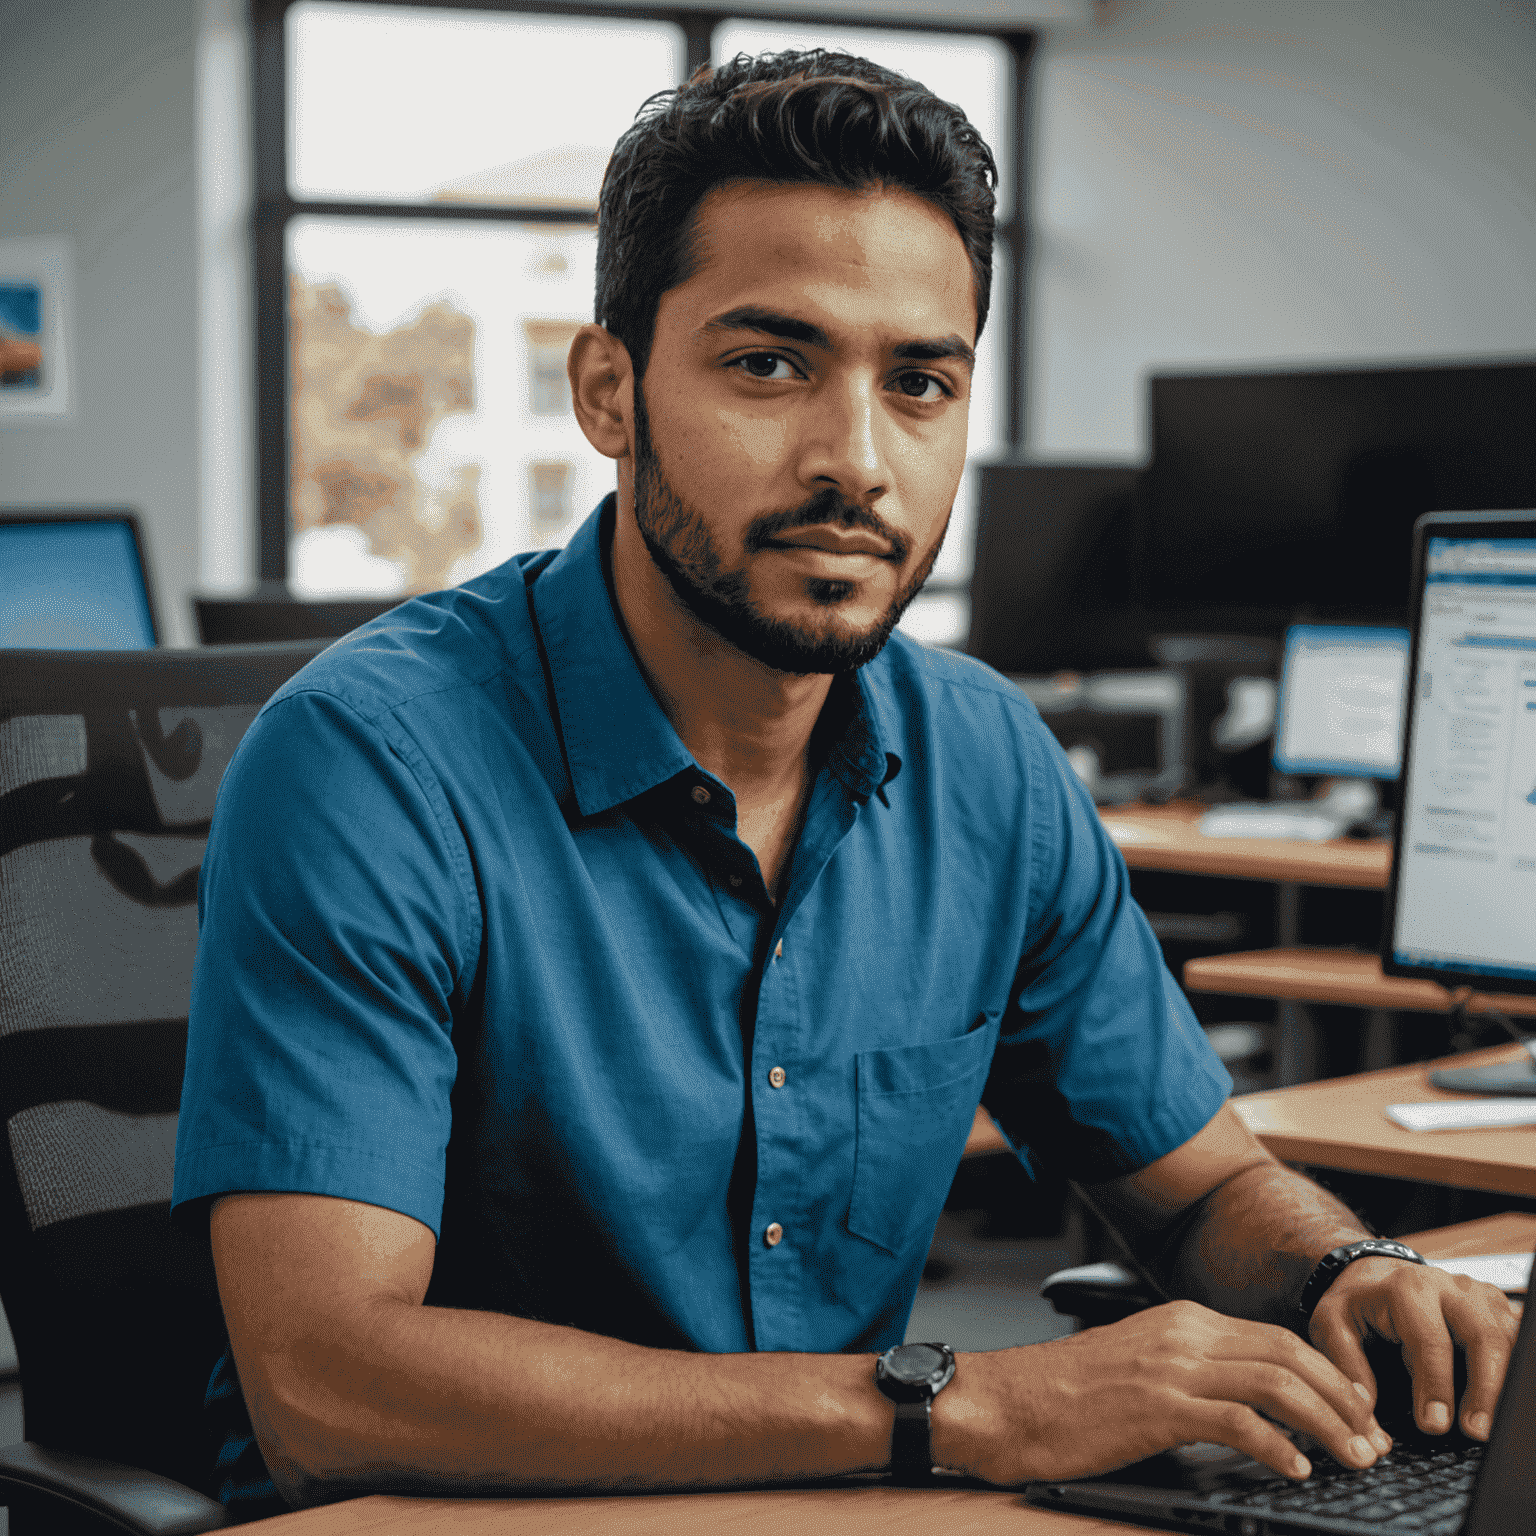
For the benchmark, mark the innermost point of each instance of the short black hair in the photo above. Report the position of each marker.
(811, 116)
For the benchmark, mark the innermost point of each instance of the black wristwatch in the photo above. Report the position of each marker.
(912, 1375)
(1331, 1265)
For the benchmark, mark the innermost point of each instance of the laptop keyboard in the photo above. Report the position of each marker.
(1423, 1489)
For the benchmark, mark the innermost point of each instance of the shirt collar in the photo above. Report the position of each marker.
(618, 741)
(861, 754)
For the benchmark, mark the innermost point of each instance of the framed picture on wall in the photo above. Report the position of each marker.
(36, 329)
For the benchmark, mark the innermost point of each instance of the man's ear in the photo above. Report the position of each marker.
(602, 390)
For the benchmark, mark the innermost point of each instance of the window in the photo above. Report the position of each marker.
(427, 189)
(549, 343)
(549, 482)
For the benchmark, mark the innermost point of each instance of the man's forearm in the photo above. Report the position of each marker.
(415, 1397)
(1248, 1248)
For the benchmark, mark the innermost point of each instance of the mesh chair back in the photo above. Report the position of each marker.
(109, 762)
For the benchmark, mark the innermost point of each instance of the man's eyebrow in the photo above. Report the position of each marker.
(929, 351)
(749, 317)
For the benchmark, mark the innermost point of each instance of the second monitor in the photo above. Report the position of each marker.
(1340, 710)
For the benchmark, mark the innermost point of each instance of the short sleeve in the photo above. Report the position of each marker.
(338, 934)
(1101, 1067)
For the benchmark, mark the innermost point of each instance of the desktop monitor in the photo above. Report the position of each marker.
(1462, 896)
(74, 581)
(1340, 709)
(1279, 496)
(1051, 587)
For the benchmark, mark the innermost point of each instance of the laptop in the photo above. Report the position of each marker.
(1427, 1485)
(74, 580)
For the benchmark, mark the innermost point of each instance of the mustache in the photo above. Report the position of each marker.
(828, 508)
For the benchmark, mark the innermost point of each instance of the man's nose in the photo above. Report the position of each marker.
(844, 441)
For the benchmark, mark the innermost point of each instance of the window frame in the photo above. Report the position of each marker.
(275, 207)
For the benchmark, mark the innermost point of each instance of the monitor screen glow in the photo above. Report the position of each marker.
(1341, 701)
(1466, 875)
(73, 585)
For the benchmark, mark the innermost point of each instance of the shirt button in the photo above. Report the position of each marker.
(735, 882)
(776, 1077)
(700, 795)
(773, 1234)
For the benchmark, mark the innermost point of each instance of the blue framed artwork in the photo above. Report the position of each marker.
(35, 331)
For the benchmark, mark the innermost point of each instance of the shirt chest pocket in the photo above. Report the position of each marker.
(915, 1107)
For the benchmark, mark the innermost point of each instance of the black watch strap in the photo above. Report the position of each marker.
(911, 1375)
(912, 1444)
(1333, 1264)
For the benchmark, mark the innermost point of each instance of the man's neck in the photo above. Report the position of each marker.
(744, 722)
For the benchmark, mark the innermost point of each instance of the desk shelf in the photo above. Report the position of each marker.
(1333, 976)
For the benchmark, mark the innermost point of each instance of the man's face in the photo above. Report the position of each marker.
(801, 429)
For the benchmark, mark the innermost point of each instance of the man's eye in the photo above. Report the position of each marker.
(920, 386)
(765, 365)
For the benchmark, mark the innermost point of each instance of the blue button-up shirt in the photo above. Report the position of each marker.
(480, 944)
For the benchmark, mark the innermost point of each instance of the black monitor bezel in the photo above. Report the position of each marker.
(1463, 525)
(13, 515)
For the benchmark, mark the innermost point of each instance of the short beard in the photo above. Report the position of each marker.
(684, 551)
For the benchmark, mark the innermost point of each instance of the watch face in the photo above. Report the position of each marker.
(914, 1362)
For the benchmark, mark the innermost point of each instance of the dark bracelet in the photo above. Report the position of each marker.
(1329, 1269)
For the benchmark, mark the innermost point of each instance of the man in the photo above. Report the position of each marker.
(602, 963)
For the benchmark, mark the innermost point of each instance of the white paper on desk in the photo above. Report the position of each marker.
(1124, 832)
(1464, 1114)
(1508, 1271)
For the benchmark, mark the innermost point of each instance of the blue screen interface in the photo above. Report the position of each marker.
(73, 586)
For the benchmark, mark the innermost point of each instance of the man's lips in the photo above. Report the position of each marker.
(834, 541)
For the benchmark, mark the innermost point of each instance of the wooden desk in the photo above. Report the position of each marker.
(1342, 1124)
(869, 1510)
(1333, 976)
(1509, 1232)
(1168, 837)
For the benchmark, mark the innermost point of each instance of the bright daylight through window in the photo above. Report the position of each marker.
(431, 434)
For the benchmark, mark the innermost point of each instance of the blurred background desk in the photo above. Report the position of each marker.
(1168, 837)
(1335, 976)
(1342, 1124)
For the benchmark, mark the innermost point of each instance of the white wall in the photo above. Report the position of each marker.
(97, 143)
(1258, 182)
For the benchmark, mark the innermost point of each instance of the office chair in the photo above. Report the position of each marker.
(271, 613)
(1096, 1294)
(109, 763)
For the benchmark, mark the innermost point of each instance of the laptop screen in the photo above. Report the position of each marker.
(75, 584)
(1465, 879)
(1341, 701)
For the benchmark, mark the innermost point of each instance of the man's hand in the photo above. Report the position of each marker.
(1220, 1220)
(1167, 1376)
(1428, 1313)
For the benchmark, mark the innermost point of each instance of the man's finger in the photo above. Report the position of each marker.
(1333, 1384)
(1484, 1325)
(1333, 1336)
(1431, 1359)
(1236, 1425)
(1288, 1397)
